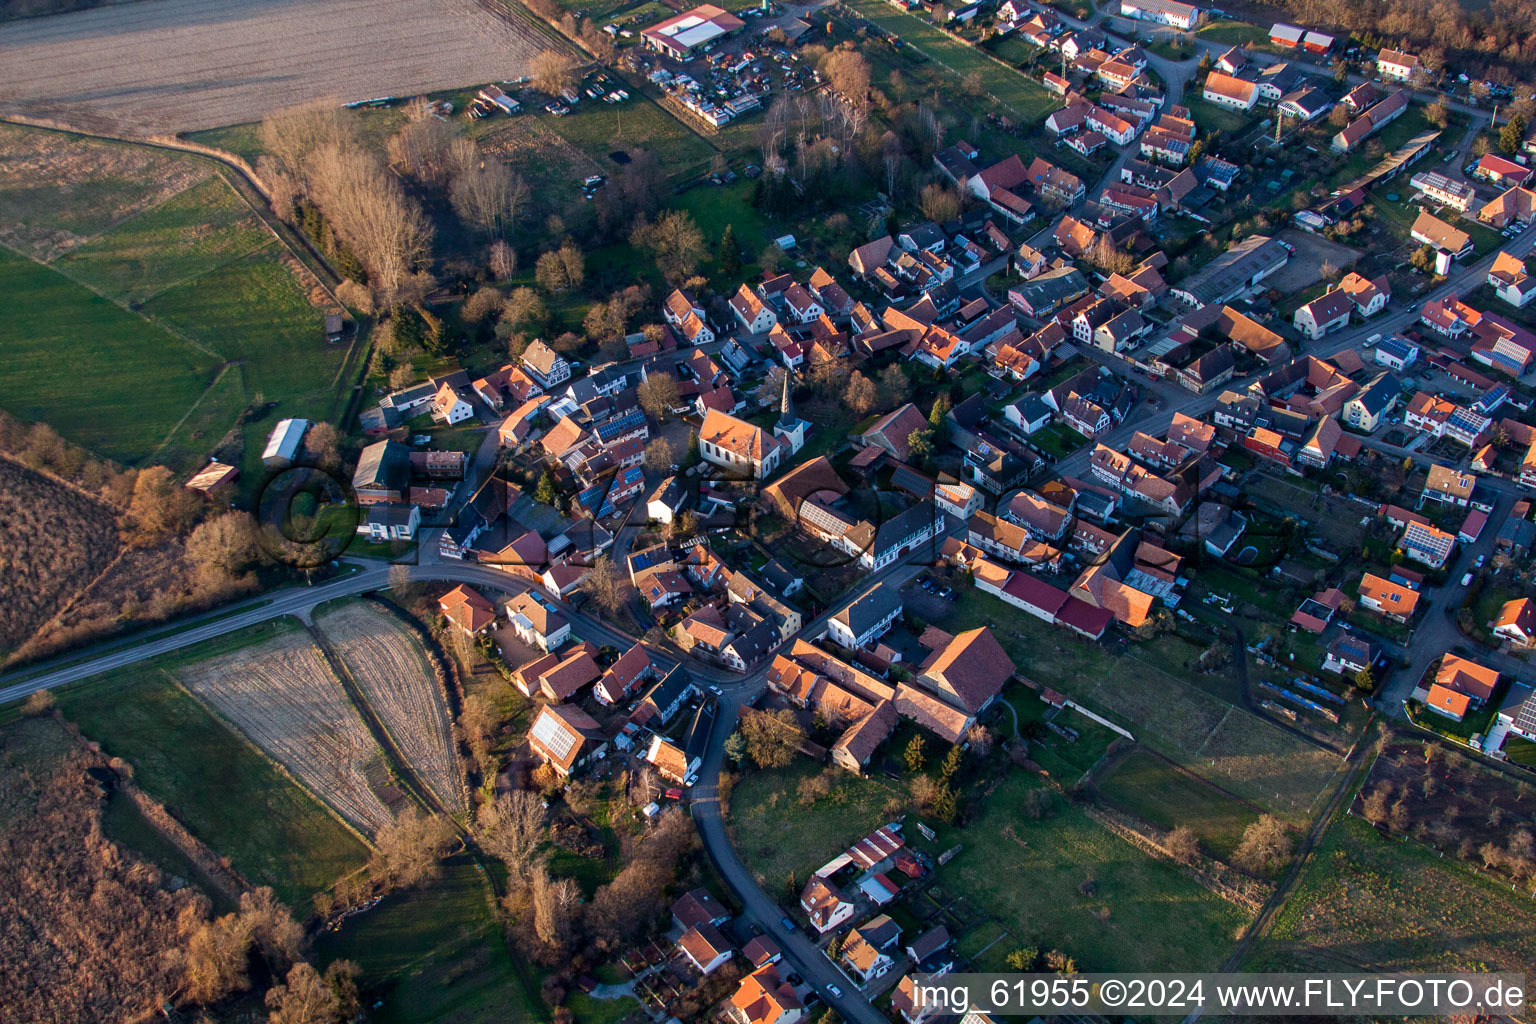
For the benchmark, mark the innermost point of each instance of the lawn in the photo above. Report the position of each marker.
(1211, 117)
(1519, 750)
(107, 379)
(1180, 719)
(211, 779)
(1025, 99)
(1368, 903)
(1148, 786)
(204, 227)
(435, 953)
(1141, 914)
(1235, 33)
(1058, 439)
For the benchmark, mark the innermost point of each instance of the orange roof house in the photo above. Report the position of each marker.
(1466, 676)
(1447, 702)
(972, 667)
(467, 609)
(1516, 622)
(1388, 598)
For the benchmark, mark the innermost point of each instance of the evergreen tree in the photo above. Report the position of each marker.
(545, 493)
(951, 763)
(914, 755)
(729, 253)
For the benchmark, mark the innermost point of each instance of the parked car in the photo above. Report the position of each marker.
(1466, 580)
(837, 993)
(1480, 560)
(788, 923)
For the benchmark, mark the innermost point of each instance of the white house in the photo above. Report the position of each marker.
(1396, 65)
(739, 446)
(866, 618)
(536, 624)
(1162, 12)
(1325, 313)
(449, 407)
(1232, 93)
(755, 315)
(388, 520)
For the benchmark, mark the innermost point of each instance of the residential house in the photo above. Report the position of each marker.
(765, 997)
(756, 316)
(564, 737)
(825, 905)
(1228, 91)
(1448, 486)
(546, 366)
(536, 624)
(1396, 65)
(1516, 623)
(1396, 352)
(1432, 231)
(1327, 312)
(1365, 409)
(705, 947)
(1393, 600)
(467, 610)
(1427, 544)
(623, 678)
(390, 521)
(865, 618)
(1511, 281)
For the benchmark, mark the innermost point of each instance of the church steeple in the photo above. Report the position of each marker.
(787, 417)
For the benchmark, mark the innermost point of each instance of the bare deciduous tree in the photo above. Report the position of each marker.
(658, 394)
(608, 584)
(675, 242)
(409, 848)
(512, 827)
(307, 997)
(1266, 844)
(489, 195)
(553, 72)
(660, 456)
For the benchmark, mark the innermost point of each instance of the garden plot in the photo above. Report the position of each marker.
(283, 696)
(400, 683)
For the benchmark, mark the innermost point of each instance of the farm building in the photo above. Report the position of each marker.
(679, 36)
(283, 443)
(1162, 12)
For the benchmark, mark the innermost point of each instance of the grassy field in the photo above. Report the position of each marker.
(1142, 914)
(104, 183)
(1150, 787)
(435, 953)
(205, 226)
(1140, 690)
(775, 836)
(252, 312)
(108, 379)
(211, 779)
(165, 284)
(1026, 99)
(1370, 903)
